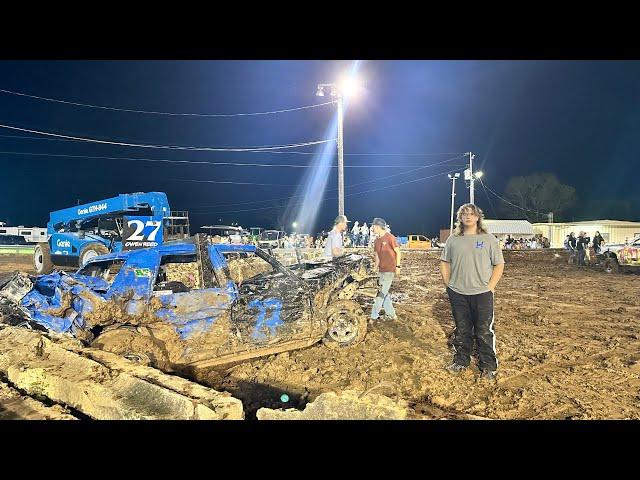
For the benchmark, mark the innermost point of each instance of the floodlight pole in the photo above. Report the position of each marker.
(338, 95)
(340, 156)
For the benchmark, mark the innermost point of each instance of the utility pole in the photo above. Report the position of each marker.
(339, 92)
(340, 157)
(453, 196)
(471, 179)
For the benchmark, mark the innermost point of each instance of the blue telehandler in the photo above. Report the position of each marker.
(126, 222)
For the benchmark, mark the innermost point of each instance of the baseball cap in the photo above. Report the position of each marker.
(379, 221)
(341, 219)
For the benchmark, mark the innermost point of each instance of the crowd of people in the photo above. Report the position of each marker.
(582, 249)
(359, 235)
(538, 241)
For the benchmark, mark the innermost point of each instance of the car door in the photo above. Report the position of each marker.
(273, 305)
(197, 308)
(630, 255)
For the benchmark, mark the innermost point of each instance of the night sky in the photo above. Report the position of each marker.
(577, 119)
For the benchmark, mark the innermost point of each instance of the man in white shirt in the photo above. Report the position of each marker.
(334, 246)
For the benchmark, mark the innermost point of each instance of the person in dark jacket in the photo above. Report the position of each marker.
(582, 244)
(598, 242)
(572, 247)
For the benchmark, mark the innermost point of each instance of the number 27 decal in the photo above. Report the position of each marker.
(139, 226)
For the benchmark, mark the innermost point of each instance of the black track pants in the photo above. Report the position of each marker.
(473, 316)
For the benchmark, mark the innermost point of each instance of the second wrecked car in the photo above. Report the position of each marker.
(192, 304)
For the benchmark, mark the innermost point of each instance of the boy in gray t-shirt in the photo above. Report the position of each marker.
(472, 258)
(471, 266)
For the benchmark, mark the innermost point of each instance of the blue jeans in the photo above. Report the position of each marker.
(383, 299)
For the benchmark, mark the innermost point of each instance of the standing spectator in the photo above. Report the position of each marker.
(587, 253)
(509, 242)
(355, 233)
(387, 261)
(598, 242)
(471, 266)
(572, 242)
(581, 246)
(364, 235)
(334, 246)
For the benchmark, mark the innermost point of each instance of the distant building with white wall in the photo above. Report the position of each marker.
(501, 228)
(613, 231)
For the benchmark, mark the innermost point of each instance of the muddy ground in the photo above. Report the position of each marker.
(10, 263)
(568, 343)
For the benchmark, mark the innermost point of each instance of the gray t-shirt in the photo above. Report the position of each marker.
(334, 240)
(472, 258)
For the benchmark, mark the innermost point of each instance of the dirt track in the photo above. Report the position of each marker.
(568, 343)
(10, 263)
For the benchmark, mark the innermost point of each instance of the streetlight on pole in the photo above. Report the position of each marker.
(346, 87)
(472, 177)
(453, 196)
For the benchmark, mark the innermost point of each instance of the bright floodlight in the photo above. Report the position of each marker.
(320, 92)
(350, 86)
(479, 174)
(295, 224)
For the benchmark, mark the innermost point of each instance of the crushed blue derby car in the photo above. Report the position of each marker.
(191, 303)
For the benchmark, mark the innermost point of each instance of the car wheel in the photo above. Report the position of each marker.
(610, 265)
(346, 324)
(92, 250)
(134, 346)
(42, 263)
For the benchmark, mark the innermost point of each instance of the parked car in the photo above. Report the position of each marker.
(271, 239)
(419, 242)
(194, 304)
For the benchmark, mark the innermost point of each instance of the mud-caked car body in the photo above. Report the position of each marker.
(620, 256)
(193, 304)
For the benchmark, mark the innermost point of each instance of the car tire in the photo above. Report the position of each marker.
(610, 265)
(42, 262)
(346, 324)
(91, 250)
(135, 346)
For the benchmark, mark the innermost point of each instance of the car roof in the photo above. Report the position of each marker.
(180, 248)
(173, 248)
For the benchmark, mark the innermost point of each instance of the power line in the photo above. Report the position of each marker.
(514, 205)
(488, 198)
(402, 183)
(404, 154)
(147, 112)
(195, 162)
(331, 190)
(230, 182)
(408, 171)
(329, 198)
(273, 152)
(171, 147)
(257, 151)
(294, 185)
